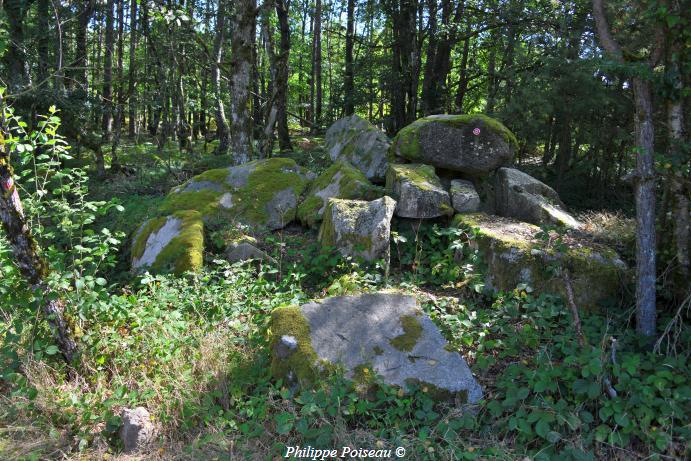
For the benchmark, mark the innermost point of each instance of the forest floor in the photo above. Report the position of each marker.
(193, 351)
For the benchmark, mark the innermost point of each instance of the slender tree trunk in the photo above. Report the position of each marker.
(107, 122)
(131, 91)
(243, 29)
(645, 182)
(27, 258)
(348, 84)
(16, 66)
(271, 112)
(317, 68)
(282, 63)
(221, 123)
(679, 187)
(428, 81)
(43, 41)
(81, 74)
(119, 112)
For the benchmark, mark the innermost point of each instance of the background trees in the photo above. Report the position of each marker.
(172, 69)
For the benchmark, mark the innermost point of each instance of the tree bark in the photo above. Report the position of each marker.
(282, 63)
(244, 21)
(221, 123)
(107, 96)
(28, 260)
(645, 182)
(348, 84)
(16, 65)
(132, 71)
(119, 111)
(316, 81)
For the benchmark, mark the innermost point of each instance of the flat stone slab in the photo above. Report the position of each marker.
(386, 333)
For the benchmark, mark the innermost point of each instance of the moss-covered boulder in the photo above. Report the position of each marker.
(173, 243)
(471, 144)
(384, 334)
(244, 248)
(514, 255)
(261, 193)
(418, 191)
(360, 143)
(464, 196)
(341, 180)
(519, 195)
(358, 228)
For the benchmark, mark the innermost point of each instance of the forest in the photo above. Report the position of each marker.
(345, 229)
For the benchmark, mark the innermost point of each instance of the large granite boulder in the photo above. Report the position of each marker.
(515, 255)
(172, 243)
(358, 228)
(471, 144)
(341, 180)
(418, 191)
(386, 334)
(519, 195)
(261, 193)
(464, 196)
(360, 143)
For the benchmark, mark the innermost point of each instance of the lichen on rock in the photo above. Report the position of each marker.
(470, 143)
(261, 193)
(172, 243)
(358, 228)
(360, 143)
(418, 191)
(514, 255)
(340, 180)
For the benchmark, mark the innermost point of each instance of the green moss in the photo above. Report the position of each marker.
(268, 178)
(378, 350)
(595, 276)
(218, 175)
(406, 144)
(185, 252)
(412, 330)
(290, 321)
(351, 185)
(422, 176)
(203, 201)
(359, 244)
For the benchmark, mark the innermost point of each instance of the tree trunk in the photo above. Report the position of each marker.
(241, 70)
(43, 44)
(81, 75)
(348, 84)
(16, 66)
(132, 71)
(26, 256)
(271, 111)
(645, 181)
(221, 123)
(317, 67)
(463, 77)
(107, 122)
(281, 82)
(119, 112)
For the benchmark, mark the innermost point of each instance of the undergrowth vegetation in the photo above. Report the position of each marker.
(193, 350)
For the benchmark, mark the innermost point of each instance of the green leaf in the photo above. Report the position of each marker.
(542, 428)
(553, 436)
(52, 350)
(284, 422)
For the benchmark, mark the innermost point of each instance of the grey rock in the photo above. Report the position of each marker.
(156, 241)
(464, 197)
(514, 255)
(340, 180)
(473, 144)
(245, 251)
(285, 346)
(519, 195)
(138, 430)
(360, 143)
(366, 331)
(418, 191)
(358, 228)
